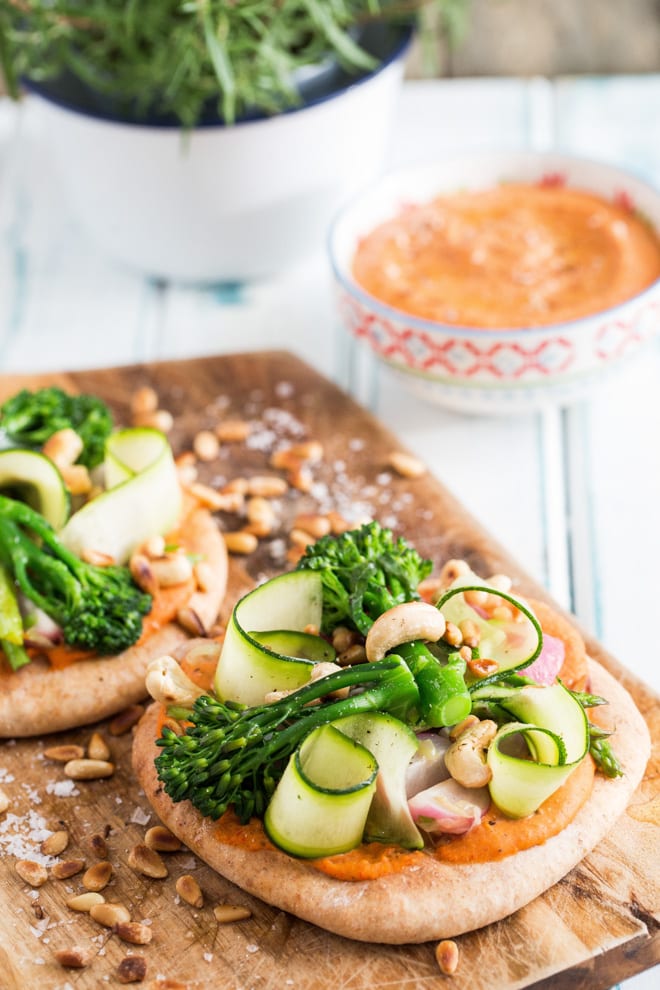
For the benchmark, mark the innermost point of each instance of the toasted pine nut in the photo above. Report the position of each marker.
(446, 954)
(63, 447)
(173, 725)
(69, 868)
(233, 430)
(216, 501)
(189, 890)
(33, 873)
(64, 753)
(85, 902)
(154, 546)
(97, 748)
(97, 558)
(308, 450)
(98, 845)
(74, 957)
(159, 419)
(224, 913)
(301, 478)
(453, 635)
(260, 515)
(144, 400)
(240, 542)
(55, 843)
(97, 877)
(133, 932)
(161, 839)
(343, 637)
(465, 653)
(284, 459)
(142, 573)
(267, 486)
(4, 802)
(317, 526)
(133, 969)
(205, 445)
(237, 486)
(338, 524)
(352, 655)
(430, 589)
(477, 599)
(171, 570)
(451, 570)
(109, 913)
(203, 575)
(294, 554)
(505, 613)
(300, 538)
(187, 475)
(501, 582)
(190, 620)
(76, 478)
(147, 861)
(405, 464)
(125, 720)
(89, 769)
(482, 667)
(470, 632)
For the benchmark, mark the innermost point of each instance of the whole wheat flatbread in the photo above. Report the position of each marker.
(433, 900)
(39, 699)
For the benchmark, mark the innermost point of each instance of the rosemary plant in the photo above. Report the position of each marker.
(176, 57)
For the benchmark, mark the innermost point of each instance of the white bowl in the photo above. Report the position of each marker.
(475, 370)
(224, 203)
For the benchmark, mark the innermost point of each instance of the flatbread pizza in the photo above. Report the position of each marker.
(495, 774)
(90, 596)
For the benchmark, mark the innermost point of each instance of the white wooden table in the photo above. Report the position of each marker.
(573, 493)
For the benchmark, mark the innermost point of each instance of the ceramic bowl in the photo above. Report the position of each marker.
(483, 370)
(223, 203)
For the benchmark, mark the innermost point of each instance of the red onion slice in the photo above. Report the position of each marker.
(448, 807)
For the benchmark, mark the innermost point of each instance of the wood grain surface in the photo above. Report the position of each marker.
(597, 926)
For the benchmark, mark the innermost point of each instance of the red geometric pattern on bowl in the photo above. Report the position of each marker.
(460, 357)
(616, 338)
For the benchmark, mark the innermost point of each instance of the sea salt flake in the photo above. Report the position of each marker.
(284, 390)
(208, 957)
(252, 948)
(356, 443)
(140, 817)
(62, 788)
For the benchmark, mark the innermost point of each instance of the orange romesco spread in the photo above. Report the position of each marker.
(511, 256)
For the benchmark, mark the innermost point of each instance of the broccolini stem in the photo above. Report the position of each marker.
(229, 757)
(16, 654)
(443, 697)
(604, 756)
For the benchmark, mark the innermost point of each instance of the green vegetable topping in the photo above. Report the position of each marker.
(233, 755)
(364, 572)
(443, 697)
(602, 753)
(30, 418)
(98, 608)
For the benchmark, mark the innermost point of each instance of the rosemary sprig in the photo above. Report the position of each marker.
(175, 57)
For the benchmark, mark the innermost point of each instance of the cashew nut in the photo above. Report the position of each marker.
(167, 683)
(465, 758)
(403, 624)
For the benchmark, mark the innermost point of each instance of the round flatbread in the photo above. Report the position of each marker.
(433, 900)
(40, 698)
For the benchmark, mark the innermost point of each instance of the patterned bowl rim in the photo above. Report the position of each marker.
(490, 157)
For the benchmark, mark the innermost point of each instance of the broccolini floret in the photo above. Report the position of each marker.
(364, 572)
(97, 608)
(28, 419)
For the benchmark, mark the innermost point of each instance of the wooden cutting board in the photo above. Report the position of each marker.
(599, 925)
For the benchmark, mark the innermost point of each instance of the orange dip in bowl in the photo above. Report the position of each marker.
(509, 257)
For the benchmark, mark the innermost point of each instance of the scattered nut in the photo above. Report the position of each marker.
(55, 843)
(38, 910)
(237, 486)
(232, 430)
(109, 913)
(77, 480)
(301, 478)
(267, 486)
(63, 447)
(132, 969)
(133, 932)
(260, 514)
(74, 957)
(190, 620)
(144, 400)
(225, 913)
(154, 546)
(33, 873)
(4, 801)
(471, 633)
(97, 876)
(85, 902)
(240, 542)
(338, 524)
(451, 570)
(97, 748)
(161, 839)
(352, 655)
(98, 845)
(62, 754)
(317, 526)
(406, 465)
(206, 446)
(159, 419)
(147, 861)
(125, 720)
(69, 868)
(88, 769)
(97, 558)
(482, 667)
(453, 635)
(142, 573)
(300, 538)
(171, 570)
(189, 890)
(446, 954)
